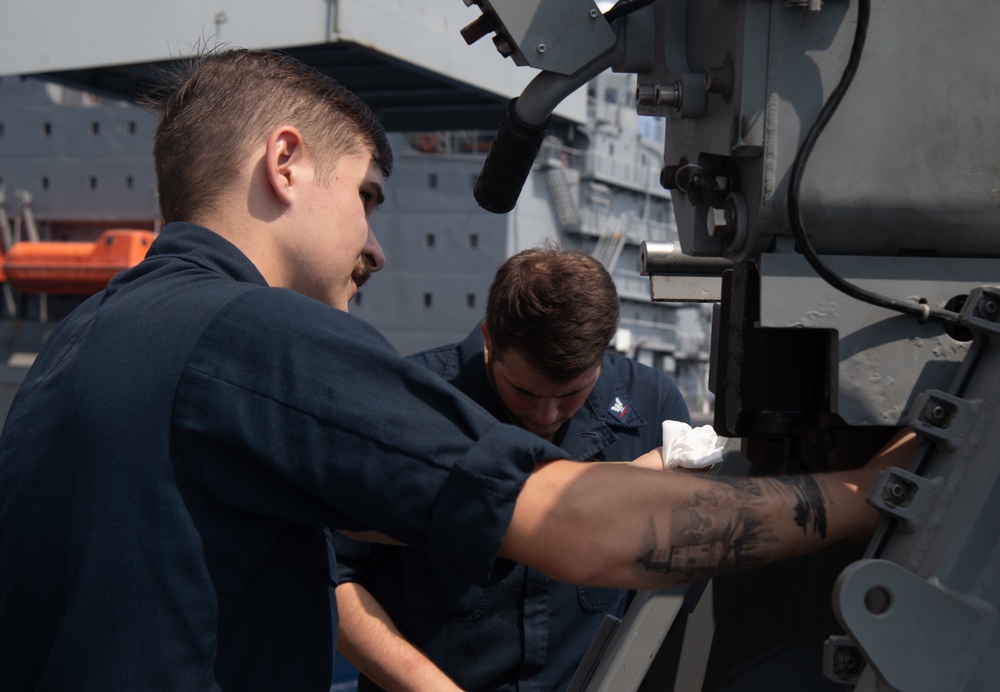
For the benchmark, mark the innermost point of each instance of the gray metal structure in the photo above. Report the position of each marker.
(405, 59)
(861, 214)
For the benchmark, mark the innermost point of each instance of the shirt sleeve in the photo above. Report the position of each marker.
(312, 417)
(356, 560)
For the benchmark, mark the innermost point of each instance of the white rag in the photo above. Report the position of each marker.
(692, 448)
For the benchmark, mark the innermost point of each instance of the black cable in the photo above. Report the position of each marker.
(798, 167)
(624, 7)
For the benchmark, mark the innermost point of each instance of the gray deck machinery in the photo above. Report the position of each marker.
(835, 173)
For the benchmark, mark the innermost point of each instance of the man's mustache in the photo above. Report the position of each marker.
(361, 273)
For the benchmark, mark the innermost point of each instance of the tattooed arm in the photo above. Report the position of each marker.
(610, 525)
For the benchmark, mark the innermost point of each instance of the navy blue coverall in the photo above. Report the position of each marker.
(169, 465)
(526, 632)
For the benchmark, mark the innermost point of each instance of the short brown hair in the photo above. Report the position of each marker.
(557, 308)
(214, 112)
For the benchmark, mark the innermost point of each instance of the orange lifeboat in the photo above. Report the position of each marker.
(427, 141)
(74, 268)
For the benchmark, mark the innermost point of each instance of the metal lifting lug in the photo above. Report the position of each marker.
(903, 495)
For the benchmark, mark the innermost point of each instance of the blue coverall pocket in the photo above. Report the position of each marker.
(598, 599)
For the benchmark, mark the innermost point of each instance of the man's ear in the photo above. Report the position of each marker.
(285, 160)
(486, 336)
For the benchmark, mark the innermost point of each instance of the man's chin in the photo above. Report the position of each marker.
(358, 282)
(547, 433)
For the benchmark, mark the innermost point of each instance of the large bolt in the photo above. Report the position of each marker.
(936, 412)
(669, 95)
(668, 177)
(717, 223)
(645, 95)
(897, 493)
(503, 46)
(989, 309)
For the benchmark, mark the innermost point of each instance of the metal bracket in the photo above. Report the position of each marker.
(676, 277)
(842, 660)
(560, 36)
(943, 417)
(903, 495)
(918, 636)
(981, 312)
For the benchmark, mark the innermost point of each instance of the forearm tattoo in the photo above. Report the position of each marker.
(809, 505)
(707, 539)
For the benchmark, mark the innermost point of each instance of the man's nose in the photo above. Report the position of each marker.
(546, 411)
(373, 256)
